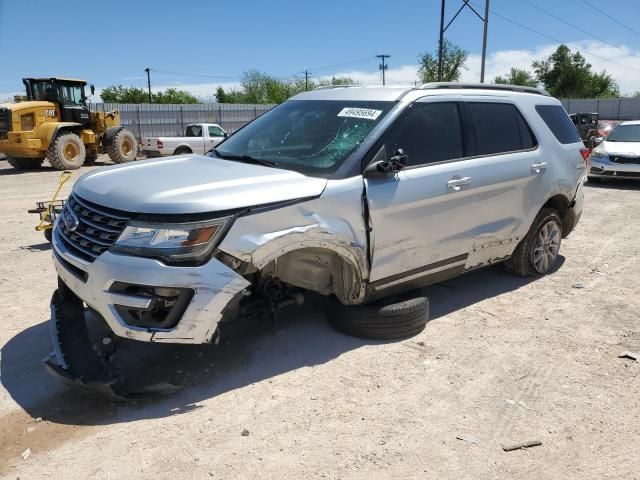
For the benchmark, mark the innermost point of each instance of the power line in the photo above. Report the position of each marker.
(575, 27)
(184, 74)
(345, 64)
(554, 39)
(611, 18)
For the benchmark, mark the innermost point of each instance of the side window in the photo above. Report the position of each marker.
(559, 123)
(215, 132)
(194, 131)
(500, 128)
(432, 133)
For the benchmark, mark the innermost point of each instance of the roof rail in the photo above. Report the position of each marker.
(482, 86)
(329, 87)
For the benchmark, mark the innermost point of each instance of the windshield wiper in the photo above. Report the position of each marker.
(246, 159)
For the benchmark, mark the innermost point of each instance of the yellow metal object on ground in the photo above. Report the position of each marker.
(45, 217)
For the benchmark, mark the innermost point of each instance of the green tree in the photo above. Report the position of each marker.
(120, 94)
(518, 76)
(260, 87)
(173, 95)
(567, 74)
(454, 60)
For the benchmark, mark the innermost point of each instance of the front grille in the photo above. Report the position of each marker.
(97, 228)
(5, 122)
(627, 160)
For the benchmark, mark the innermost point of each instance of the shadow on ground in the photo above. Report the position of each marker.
(615, 184)
(302, 338)
(37, 247)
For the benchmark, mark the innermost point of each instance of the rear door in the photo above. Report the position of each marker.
(458, 203)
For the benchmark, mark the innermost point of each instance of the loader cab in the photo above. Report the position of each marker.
(67, 93)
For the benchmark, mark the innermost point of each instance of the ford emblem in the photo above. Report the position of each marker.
(70, 221)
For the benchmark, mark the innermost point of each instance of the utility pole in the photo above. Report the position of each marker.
(306, 80)
(383, 66)
(441, 41)
(443, 28)
(148, 70)
(484, 40)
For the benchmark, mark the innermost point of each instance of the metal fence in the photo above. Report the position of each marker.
(150, 120)
(608, 108)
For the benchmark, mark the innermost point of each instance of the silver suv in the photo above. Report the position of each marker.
(358, 194)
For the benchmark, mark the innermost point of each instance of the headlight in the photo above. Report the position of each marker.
(27, 122)
(174, 243)
(598, 154)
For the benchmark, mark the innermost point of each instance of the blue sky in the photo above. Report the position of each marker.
(213, 42)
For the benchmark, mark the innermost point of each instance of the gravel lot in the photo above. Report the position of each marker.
(504, 360)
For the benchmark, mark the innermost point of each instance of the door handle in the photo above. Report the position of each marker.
(538, 168)
(457, 183)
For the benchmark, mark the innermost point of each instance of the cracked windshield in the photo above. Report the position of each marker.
(309, 136)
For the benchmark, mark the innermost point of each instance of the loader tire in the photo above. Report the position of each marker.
(123, 148)
(66, 152)
(25, 163)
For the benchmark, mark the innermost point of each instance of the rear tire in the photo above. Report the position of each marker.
(25, 163)
(66, 152)
(182, 151)
(538, 251)
(381, 321)
(48, 234)
(123, 148)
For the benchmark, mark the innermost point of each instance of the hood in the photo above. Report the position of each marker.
(631, 149)
(193, 184)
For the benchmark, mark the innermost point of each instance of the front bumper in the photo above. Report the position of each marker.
(214, 285)
(605, 168)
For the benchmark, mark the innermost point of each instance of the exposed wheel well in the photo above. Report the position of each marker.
(320, 270)
(561, 204)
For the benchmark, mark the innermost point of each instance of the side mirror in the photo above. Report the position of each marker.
(226, 135)
(92, 88)
(388, 167)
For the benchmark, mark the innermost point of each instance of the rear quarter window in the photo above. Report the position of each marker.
(500, 128)
(556, 118)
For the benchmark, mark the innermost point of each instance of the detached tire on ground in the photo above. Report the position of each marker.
(123, 148)
(66, 152)
(25, 163)
(386, 320)
(538, 251)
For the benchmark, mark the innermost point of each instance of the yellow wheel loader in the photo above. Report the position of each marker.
(55, 123)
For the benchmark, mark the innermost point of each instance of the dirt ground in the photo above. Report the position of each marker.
(504, 360)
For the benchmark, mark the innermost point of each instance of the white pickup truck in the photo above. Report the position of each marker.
(198, 138)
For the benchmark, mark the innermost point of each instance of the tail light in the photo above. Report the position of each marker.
(159, 144)
(586, 155)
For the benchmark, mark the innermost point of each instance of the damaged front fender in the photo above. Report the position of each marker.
(330, 227)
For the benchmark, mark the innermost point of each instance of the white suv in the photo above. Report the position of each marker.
(354, 193)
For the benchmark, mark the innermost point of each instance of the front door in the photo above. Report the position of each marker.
(457, 203)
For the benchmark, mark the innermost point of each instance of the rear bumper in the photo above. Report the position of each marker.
(214, 286)
(19, 145)
(576, 207)
(151, 153)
